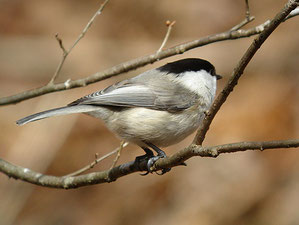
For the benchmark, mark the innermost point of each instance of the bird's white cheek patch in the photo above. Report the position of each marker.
(198, 82)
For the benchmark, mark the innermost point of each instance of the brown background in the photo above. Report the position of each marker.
(241, 188)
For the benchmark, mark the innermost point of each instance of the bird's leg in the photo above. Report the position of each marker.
(148, 155)
(148, 152)
(153, 159)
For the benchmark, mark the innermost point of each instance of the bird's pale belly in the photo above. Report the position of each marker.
(161, 128)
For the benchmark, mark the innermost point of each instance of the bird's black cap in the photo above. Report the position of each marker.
(189, 64)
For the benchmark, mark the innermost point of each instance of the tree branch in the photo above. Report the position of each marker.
(239, 69)
(113, 174)
(65, 52)
(133, 64)
(247, 19)
(214, 151)
(96, 161)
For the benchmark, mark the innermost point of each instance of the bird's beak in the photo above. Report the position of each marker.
(218, 77)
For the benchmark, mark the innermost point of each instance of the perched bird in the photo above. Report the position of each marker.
(157, 108)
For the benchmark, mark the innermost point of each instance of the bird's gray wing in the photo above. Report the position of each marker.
(160, 95)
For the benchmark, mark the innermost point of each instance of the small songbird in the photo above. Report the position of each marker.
(157, 108)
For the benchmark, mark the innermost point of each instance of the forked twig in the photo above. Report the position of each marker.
(122, 145)
(169, 25)
(247, 19)
(65, 52)
(96, 161)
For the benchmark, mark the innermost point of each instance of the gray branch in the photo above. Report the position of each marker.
(65, 52)
(113, 174)
(133, 64)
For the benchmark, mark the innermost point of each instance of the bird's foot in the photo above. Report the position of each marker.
(151, 162)
(147, 157)
(151, 159)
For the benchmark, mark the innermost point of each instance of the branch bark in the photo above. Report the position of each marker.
(67, 182)
(133, 64)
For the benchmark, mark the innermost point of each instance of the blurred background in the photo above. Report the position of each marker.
(242, 188)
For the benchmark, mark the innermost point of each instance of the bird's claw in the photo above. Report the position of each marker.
(150, 162)
(164, 170)
(151, 159)
(144, 174)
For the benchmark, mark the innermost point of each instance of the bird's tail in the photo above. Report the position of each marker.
(57, 112)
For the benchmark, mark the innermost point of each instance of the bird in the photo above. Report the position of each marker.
(157, 108)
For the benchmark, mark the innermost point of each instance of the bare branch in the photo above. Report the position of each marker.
(122, 145)
(113, 174)
(243, 23)
(67, 52)
(98, 12)
(59, 40)
(244, 146)
(63, 57)
(247, 14)
(247, 19)
(96, 161)
(239, 69)
(133, 64)
(214, 151)
(169, 25)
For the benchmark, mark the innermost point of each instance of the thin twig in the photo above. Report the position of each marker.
(247, 19)
(91, 165)
(82, 34)
(122, 145)
(59, 40)
(111, 175)
(247, 14)
(63, 57)
(243, 23)
(89, 24)
(169, 25)
(96, 161)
